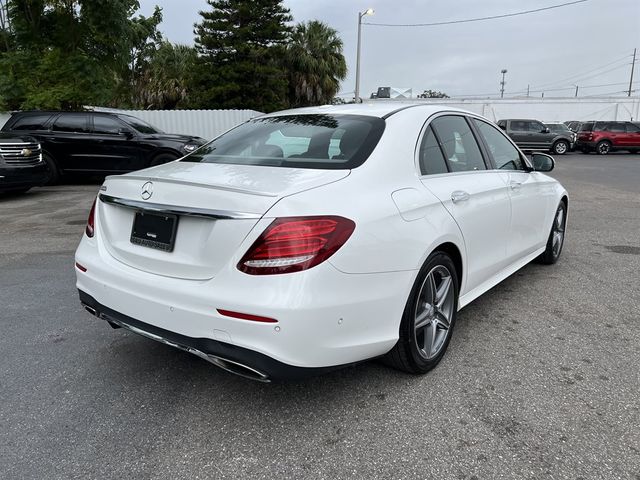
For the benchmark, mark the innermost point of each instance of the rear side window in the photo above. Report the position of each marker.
(631, 128)
(430, 155)
(615, 127)
(31, 122)
(297, 141)
(505, 155)
(71, 123)
(459, 145)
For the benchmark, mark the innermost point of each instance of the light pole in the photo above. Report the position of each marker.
(368, 11)
(503, 72)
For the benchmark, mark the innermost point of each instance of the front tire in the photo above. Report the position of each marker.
(603, 147)
(560, 147)
(54, 171)
(555, 242)
(429, 317)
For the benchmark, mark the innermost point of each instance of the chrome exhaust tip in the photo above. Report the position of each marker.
(230, 366)
(91, 310)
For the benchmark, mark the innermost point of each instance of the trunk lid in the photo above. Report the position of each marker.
(203, 245)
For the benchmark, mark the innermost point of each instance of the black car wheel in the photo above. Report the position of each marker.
(603, 147)
(52, 166)
(429, 317)
(560, 147)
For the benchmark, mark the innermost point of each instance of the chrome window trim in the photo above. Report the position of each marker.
(176, 210)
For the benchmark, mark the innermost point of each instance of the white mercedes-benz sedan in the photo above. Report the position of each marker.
(309, 239)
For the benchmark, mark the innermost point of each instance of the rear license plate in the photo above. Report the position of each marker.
(154, 230)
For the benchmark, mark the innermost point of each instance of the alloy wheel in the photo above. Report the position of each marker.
(433, 312)
(558, 231)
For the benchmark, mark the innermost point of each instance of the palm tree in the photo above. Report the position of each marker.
(315, 64)
(164, 85)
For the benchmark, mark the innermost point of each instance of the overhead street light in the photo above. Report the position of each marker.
(367, 12)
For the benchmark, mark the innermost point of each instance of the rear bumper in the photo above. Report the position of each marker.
(22, 176)
(237, 360)
(325, 318)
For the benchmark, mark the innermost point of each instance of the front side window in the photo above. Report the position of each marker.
(519, 126)
(297, 141)
(106, 125)
(536, 127)
(505, 155)
(430, 155)
(459, 145)
(71, 123)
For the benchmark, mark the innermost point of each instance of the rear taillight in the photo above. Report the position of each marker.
(91, 221)
(293, 244)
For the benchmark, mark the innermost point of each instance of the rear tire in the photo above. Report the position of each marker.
(54, 170)
(560, 147)
(555, 241)
(603, 147)
(163, 158)
(429, 317)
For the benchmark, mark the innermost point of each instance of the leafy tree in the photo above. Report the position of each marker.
(433, 94)
(64, 54)
(239, 44)
(315, 64)
(165, 81)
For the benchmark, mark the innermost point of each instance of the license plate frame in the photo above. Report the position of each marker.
(154, 230)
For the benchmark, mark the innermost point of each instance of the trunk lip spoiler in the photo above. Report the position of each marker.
(178, 210)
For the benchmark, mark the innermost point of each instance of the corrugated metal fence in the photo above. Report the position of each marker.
(202, 123)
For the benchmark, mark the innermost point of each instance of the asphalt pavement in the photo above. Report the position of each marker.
(541, 380)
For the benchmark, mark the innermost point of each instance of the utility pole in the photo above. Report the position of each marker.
(503, 72)
(527, 90)
(576, 91)
(633, 66)
(368, 11)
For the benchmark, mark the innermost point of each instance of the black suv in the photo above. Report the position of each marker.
(99, 143)
(21, 165)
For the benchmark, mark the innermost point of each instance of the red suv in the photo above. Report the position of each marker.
(603, 137)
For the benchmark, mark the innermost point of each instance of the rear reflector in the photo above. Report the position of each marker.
(246, 316)
(80, 267)
(292, 244)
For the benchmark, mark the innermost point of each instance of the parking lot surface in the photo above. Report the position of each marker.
(541, 380)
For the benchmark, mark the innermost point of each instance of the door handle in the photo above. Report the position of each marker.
(459, 196)
(515, 185)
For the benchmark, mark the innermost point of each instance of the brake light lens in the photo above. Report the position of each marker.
(91, 221)
(293, 244)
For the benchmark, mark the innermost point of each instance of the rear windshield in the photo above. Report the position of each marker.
(298, 141)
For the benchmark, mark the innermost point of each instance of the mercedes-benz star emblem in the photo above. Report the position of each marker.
(147, 190)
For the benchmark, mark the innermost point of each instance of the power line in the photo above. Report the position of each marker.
(468, 20)
(577, 76)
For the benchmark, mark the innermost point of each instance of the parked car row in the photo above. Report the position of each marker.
(559, 138)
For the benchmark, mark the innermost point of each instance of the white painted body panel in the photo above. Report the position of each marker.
(349, 307)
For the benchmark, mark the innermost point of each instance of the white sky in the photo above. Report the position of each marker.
(586, 44)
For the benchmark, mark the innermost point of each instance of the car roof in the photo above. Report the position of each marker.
(380, 109)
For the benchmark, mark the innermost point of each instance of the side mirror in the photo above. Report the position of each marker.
(126, 132)
(545, 130)
(542, 162)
